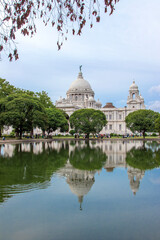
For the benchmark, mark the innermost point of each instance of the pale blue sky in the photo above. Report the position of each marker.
(122, 47)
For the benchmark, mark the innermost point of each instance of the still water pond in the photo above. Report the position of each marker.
(77, 190)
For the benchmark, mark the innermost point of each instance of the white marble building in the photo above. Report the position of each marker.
(80, 95)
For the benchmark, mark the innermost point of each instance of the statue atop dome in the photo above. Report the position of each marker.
(80, 68)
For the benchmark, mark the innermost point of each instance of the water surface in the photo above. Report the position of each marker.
(80, 190)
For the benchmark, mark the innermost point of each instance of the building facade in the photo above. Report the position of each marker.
(80, 95)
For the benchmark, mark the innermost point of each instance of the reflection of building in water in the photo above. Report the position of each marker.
(116, 157)
(7, 150)
(135, 175)
(79, 181)
(116, 152)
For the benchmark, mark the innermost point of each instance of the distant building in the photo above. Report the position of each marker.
(80, 95)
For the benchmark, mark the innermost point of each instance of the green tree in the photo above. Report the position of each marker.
(23, 112)
(2, 121)
(88, 121)
(157, 124)
(56, 119)
(45, 99)
(5, 90)
(66, 16)
(72, 132)
(141, 121)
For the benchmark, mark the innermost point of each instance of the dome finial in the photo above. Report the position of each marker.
(80, 200)
(80, 68)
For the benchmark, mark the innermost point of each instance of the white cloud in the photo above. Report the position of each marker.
(155, 89)
(154, 105)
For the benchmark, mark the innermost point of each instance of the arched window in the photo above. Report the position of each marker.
(133, 96)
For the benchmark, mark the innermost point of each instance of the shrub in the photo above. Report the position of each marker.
(154, 135)
(12, 134)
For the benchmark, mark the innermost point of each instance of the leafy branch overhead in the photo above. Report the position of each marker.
(64, 15)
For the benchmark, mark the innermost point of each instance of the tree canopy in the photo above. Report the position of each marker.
(142, 121)
(56, 119)
(23, 112)
(6, 88)
(87, 158)
(157, 124)
(66, 16)
(45, 99)
(88, 121)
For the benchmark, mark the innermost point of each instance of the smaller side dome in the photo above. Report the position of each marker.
(59, 100)
(98, 103)
(140, 96)
(133, 86)
(91, 99)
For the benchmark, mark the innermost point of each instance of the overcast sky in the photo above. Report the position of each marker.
(121, 48)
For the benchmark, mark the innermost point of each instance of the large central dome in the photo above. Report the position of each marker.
(80, 85)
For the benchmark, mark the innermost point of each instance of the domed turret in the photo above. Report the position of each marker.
(133, 86)
(91, 99)
(141, 97)
(98, 104)
(134, 99)
(59, 100)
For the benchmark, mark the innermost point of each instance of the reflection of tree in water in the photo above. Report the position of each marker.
(139, 160)
(26, 170)
(87, 158)
(153, 145)
(143, 158)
